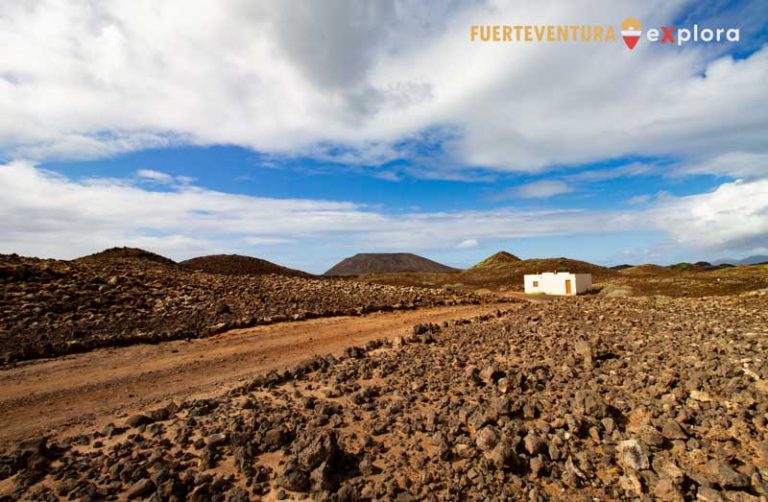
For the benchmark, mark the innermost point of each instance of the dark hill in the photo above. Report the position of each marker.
(383, 263)
(125, 254)
(233, 264)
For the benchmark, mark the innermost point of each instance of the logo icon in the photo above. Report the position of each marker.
(631, 31)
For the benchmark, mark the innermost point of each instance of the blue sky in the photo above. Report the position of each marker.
(238, 170)
(303, 136)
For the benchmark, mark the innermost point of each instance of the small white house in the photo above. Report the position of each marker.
(558, 283)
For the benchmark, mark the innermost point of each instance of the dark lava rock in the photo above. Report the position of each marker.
(322, 448)
(140, 489)
(138, 421)
(294, 480)
(723, 475)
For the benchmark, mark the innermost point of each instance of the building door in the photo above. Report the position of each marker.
(567, 286)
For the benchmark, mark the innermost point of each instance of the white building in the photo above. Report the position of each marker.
(558, 283)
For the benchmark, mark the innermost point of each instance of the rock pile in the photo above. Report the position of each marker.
(51, 307)
(577, 399)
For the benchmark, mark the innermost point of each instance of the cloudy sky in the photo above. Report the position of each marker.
(303, 131)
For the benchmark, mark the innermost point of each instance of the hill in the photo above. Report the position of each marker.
(650, 269)
(125, 254)
(506, 270)
(233, 264)
(699, 266)
(499, 260)
(385, 263)
(647, 269)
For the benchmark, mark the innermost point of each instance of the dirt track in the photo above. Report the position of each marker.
(73, 393)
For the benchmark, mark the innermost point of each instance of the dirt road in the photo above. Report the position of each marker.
(73, 393)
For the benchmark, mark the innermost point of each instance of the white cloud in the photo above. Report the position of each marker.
(638, 199)
(629, 170)
(79, 78)
(259, 241)
(46, 214)
(151, 176)
(468, 244)
(539, 189)
(156, 176)
(741, 164)
(734, 216)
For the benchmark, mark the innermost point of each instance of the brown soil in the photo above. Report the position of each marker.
(75, 393)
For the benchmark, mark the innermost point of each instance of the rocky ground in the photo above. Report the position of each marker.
(503, 272)
(54, 307)
(588, 398)
(694, 282)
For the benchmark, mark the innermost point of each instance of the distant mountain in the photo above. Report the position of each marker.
(650, 269)
(757, 259)
(123, 254)
(383, 263)
(233, 264)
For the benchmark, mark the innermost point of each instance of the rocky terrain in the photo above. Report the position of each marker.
(685, 281)
(588, 398)
(500, 271)
(54, 307)
(504, 272)
(387, 263)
